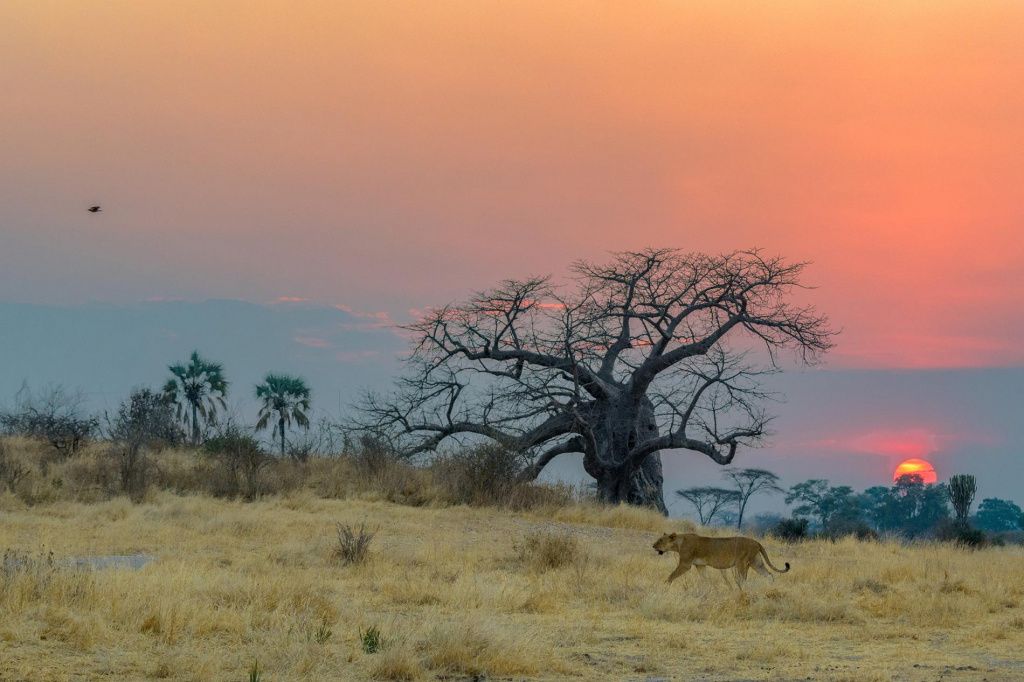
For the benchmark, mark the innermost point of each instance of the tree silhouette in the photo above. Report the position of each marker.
(285, 398)
(998, 515)
(628, 360)
(197, 389)
(962, 488)
(831, 506)
(708, 501)
(749, 482)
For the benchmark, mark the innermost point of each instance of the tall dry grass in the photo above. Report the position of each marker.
(544, 587)
(458, 592)
(30, 475)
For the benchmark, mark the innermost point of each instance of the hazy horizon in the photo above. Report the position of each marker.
(852, 426)
(375, 160)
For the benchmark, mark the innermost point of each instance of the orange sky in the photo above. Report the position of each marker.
(395, 155)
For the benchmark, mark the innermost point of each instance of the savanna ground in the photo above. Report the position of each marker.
(555, 591)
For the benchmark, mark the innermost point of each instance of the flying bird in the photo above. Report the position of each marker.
(95, 209)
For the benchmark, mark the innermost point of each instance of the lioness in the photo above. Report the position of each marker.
(739, 554)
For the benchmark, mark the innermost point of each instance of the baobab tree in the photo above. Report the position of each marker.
(645, 353)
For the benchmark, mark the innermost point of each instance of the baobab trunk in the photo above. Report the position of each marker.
(615, 428)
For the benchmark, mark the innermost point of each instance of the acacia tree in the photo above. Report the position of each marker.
(196, 389)
(629, 359)
(749, 482)
(708, 501)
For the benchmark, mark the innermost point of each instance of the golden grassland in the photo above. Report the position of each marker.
(460, 593)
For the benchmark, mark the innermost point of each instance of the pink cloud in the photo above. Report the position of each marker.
(312, 341)
(912, 442)
(379, 319)
(925, 351)
(899, 442)
(289, 299)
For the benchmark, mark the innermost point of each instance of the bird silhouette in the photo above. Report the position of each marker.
(95, 209)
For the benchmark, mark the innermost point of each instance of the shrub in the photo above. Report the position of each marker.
(961, 534)
(144, 421)
(857, 528)
(241, 460)
(12, 469)
(353, 546)
(480, 476)
(378, 469)
(57, 417)
(544, 551)
(791, 530)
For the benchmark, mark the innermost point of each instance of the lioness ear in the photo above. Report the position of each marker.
(672, 535)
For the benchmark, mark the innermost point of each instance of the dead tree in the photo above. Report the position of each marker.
(629, 359)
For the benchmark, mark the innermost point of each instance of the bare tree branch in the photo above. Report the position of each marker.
(647, 352)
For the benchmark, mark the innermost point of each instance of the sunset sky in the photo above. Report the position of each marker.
(391, 156)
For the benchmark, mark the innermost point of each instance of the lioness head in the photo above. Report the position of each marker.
(665, 542)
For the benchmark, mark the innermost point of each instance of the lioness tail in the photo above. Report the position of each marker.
(768, 561)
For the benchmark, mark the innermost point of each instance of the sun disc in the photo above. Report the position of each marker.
(921, 467)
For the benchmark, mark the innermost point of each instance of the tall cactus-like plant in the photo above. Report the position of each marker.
(962, 488)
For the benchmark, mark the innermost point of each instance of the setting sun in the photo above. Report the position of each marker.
(921, 467)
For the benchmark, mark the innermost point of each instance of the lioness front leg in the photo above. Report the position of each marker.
(680, 569)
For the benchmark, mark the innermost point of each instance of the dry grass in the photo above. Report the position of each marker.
(461, 592)
(547, 587)
(30, 474)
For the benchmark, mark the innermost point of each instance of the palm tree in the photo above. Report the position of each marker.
(285, 397)
(197, 389)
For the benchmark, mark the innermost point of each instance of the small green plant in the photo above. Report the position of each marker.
(255, 674)
(322, 634)
(371, 640)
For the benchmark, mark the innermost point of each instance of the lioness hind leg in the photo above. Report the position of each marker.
(740, 575)
(758, 565)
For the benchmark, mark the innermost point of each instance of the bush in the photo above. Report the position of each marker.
(12, 469)
(144, 421)
(544, 551)
(57, 417)
(241, 459)
(858, 529)
(480, 476)
(961, 534)
(353, 546)
(791, 530)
